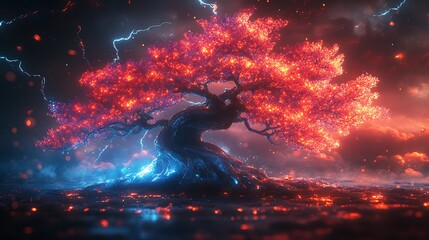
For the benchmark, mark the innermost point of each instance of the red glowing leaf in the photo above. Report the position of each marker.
(287, 89)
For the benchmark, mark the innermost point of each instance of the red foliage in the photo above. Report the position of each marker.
(288, 89)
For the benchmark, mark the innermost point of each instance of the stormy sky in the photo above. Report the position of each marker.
(62, 39)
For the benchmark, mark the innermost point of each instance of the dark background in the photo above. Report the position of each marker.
(392, 45)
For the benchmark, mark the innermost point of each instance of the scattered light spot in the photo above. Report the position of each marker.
(104, 223)
(71, 52)
(37, 37)
(399, 56)
(245, 227)
(30, 122)
(23, 176)
(28, 230)
(10, 76)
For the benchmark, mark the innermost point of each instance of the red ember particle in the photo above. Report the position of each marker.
(10, 76)
(104, 223)
(37, 37)
(71, 52)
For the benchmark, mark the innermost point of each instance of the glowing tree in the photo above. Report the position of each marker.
(282, 93)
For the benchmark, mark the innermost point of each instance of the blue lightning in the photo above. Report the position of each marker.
(102, 151)
(141, 140)
(213, 6)
(391, 9)
(132, 33)
(18, 64)
(17, 18)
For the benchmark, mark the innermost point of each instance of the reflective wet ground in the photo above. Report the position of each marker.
(312, 210)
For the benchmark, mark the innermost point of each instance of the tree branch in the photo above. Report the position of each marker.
(264, 132)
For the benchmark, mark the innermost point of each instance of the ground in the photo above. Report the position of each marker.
(308, 210)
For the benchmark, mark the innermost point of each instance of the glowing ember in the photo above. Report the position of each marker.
(104, 223)
(30, 122)
(246, 227)
(193, 208)
(37, 37)
(399, 56)
(10, 76)
(72, 52)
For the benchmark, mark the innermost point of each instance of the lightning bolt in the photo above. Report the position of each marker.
(18, 63)
(130, 35)
(141, 140)
(391, 9)
(18, 18)
(101, 153)
(213, 6)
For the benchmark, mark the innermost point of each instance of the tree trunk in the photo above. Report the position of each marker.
(186, 160)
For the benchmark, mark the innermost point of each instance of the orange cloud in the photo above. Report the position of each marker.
(416, 156)
(421, 91)
(410, 157)
(412, 173)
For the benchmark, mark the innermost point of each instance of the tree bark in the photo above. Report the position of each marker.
(185, 159)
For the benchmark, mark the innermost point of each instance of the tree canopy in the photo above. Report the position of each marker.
(288, 90)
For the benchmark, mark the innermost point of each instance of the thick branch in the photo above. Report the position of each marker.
(203, 91)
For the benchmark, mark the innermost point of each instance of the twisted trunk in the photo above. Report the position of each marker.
(185, 159)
